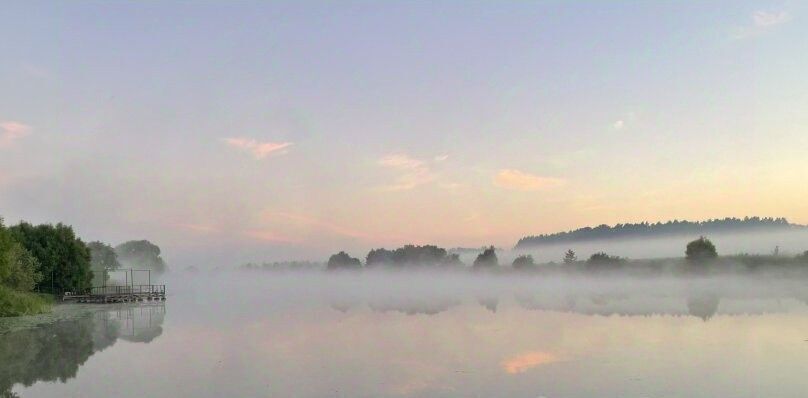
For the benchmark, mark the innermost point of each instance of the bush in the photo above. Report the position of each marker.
(601, 260)
(523, 261)
(22, 269)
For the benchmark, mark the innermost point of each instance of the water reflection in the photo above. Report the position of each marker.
(55, 346)
(413, 306)
(370, 336)
(489, 302)
(703, 302)
(523, 362)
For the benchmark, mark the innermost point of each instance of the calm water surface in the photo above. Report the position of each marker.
(313, 335)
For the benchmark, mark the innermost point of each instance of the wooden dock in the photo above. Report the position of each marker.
(119, 294)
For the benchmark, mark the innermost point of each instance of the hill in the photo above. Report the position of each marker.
(647, 230)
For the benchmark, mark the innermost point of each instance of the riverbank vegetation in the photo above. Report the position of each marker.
(38, 262)
(19, 274)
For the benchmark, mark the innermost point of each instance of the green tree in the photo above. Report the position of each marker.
(486, 259)
(102, 258)
(342, 260)
(19, 273)
(6, 244)
(700, 251)
(523, 261)
(140, 254)
(64, 260)
(22, 269)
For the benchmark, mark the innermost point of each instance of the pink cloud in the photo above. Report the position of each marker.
(12, 131)
(412, 172)
(521, 181)
(259, 150)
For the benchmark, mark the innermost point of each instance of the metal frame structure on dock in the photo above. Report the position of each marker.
(121, 293)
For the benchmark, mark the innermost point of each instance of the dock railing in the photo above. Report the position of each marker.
(153, 290)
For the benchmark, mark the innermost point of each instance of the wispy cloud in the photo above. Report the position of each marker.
(412, 172)
(258, 149)
(12, 131)
(762, 21)
(521, 181)
(267, 236)
(765, 19)
(626, 120)
(198, 228)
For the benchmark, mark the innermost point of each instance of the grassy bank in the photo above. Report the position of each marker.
(13, 303)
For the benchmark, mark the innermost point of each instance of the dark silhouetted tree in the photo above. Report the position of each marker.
(700, 251)
(523, 261)
(569, 257)
(411, 255)
(379, 257)
(342, 260)
(487, 259)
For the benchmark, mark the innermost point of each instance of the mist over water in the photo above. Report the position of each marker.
(452, 334)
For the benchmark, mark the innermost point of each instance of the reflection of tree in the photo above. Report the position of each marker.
(344, 305)
(55, 351)
(412, 306)
(49, 353)
(565, 303)
(702, 306)
(490, 303)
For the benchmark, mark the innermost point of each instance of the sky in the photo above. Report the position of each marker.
(249, 131)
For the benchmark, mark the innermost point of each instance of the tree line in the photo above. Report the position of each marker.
(700, 255)
(658, 229)
(51, 259)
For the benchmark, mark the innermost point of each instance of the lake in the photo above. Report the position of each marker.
(420, 335)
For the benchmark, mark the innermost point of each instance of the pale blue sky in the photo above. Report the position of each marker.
(268, 130)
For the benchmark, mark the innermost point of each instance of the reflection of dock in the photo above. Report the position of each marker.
(135, 323)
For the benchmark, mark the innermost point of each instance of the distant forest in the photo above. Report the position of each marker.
(659, 229)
